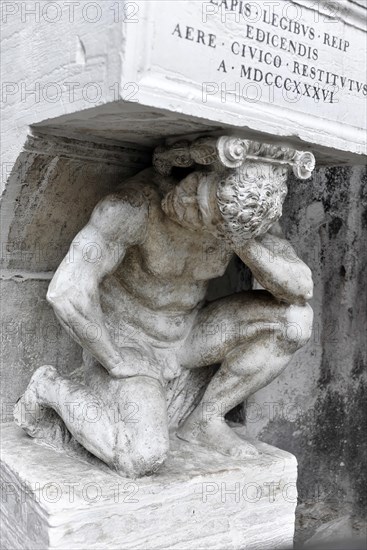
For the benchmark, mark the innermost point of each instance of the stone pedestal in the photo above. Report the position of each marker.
(200, 499)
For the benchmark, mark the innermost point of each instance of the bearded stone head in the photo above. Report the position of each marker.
(250, 199)
(241, 204)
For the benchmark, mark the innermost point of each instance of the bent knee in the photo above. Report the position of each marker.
(141, 461)
(298, 325)
(150, 460)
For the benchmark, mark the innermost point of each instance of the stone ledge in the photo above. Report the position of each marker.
(200, 499)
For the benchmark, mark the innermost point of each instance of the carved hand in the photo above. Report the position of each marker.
(133, 363)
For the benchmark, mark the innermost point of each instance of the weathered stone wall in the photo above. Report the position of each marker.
(317, 408)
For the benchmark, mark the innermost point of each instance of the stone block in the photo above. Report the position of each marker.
(200, 499)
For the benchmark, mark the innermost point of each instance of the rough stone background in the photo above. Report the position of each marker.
(317, 408)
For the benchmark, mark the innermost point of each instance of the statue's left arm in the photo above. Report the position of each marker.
(277, 268)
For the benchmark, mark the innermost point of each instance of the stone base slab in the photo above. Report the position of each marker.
(200, 499)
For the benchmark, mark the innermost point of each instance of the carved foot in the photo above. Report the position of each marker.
(35, 418)
(218, 436)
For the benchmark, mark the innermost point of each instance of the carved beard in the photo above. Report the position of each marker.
(168, 207)
(177, 212)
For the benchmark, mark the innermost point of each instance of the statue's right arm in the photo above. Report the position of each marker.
(97, 250)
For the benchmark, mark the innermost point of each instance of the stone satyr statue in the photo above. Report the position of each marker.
(139, 272)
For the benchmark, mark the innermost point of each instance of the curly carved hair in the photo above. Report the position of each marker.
(251, 200)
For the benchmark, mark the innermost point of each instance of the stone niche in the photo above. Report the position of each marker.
(126, 78)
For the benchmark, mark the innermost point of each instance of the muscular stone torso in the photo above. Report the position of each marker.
(168, 273)
(171, 269)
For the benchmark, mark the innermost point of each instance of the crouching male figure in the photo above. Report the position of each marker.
(143, 262)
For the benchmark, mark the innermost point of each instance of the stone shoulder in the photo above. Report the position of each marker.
(138, 190)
